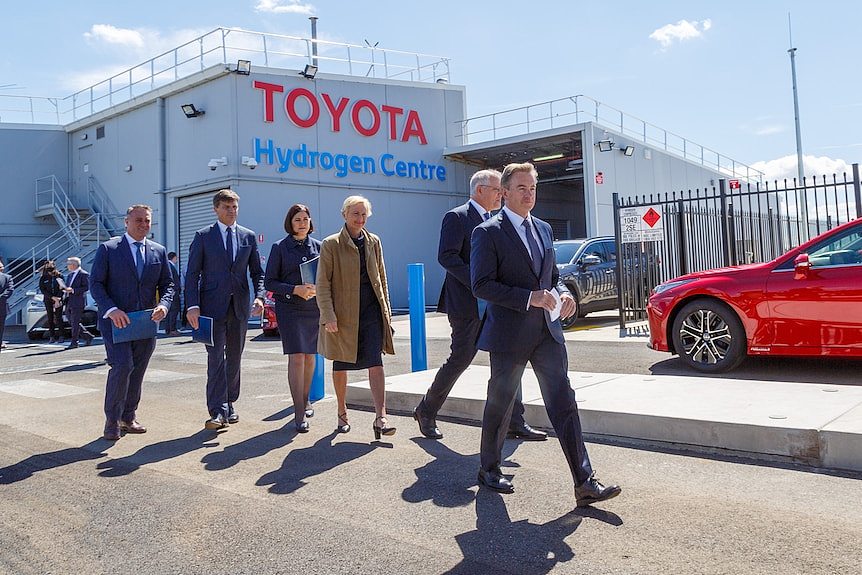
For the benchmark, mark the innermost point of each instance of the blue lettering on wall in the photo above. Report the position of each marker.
(344, 164)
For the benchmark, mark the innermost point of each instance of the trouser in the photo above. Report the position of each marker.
(223, 361)
(78, 330)
(128, 361)
(54, 318)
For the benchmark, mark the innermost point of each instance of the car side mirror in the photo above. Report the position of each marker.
(590, 260)
(801, 267)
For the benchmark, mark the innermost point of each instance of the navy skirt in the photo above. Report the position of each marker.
(298, 328)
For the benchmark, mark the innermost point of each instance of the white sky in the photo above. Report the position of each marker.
(716, 73)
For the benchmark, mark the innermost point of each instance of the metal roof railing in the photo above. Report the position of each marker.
(225, 46)
(578, 109)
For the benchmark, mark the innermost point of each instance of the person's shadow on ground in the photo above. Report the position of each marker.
(26, 468)
(499, 545)
(322, 456)
(256, 446)
(155, 452)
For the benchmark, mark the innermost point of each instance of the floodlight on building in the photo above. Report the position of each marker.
(605, 145)
(546, 158)
(310, 71)
(191, 111)
(243, 67)
(628, 150)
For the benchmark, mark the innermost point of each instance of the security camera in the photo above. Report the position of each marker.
(249, 161)
(212, 165)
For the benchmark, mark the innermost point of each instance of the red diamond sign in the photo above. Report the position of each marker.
(651, 217)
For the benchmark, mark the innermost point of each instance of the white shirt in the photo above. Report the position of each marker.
(518, 222)
(223, 228)
(482, 211)
(74, 274)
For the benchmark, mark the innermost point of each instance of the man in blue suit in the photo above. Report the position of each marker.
(461, 307)
(128, 273)
(513, 268)
(7, 286)
(222, 257)
(77, 286)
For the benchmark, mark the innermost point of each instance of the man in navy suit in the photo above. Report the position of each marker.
(222, 257)
(7, 286)
(512, 266)
(461, 307)
(127, 272)
(77, 286)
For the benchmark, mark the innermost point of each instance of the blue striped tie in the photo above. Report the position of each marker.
(139, 259)
(535, 252)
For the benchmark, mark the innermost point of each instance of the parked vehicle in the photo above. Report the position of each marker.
(588, 267)
(36, 318)
(807, 302)
(268, 321)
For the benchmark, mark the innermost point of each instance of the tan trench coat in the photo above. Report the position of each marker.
(338, 294)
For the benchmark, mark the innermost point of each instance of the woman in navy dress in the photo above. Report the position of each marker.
(297, 314)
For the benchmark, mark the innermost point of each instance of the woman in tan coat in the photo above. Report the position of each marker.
(353, 298)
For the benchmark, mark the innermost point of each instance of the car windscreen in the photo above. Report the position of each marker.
(566, 251)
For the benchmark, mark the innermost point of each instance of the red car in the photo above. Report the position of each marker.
(807, 302)
(268, 322)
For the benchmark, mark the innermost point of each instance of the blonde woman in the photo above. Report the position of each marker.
(353, 298)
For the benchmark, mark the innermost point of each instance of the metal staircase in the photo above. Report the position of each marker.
(81, 231)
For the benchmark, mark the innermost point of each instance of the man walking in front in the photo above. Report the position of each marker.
(461, 307)
(222, 258)
(77, 286)
(513, 267)
(127, 271)
(7, 286)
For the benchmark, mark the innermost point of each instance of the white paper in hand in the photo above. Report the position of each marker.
(558, 305)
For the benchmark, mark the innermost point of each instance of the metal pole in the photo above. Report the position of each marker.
(618, 239)
(416, 301)
(799, 166)
(316, 392)
(313, 40)
(856, 190)
(725, 232)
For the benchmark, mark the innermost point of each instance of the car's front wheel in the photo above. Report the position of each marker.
(708, 336)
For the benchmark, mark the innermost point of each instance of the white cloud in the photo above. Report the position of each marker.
(785, 168)
(279, 7)
(769, 130)
(680, 32)
(113, 35)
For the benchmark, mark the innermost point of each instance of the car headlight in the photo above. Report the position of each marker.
(661, 288)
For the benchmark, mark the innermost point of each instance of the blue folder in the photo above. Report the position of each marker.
(142, 326)
(309, 271)
(204, 333)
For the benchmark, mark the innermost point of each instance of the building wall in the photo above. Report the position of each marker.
(27, 152)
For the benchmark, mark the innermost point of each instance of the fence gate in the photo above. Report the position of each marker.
(664, 236)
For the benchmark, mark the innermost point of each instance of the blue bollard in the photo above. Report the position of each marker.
(316, 392)
(416, 299)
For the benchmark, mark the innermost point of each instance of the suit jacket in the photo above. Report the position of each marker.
(453, 253)
(502, 273)
(211, 278)
(282, 271)
(175, 276)
(80, 286)
(114, 277)
(7, 286)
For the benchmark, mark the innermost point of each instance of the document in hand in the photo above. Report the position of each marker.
(555, 313)
(204, 333)
(309, 271)
(142, 326)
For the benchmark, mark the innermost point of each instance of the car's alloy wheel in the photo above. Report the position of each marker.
(708, 336)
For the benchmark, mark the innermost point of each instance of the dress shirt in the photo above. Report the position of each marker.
(72, 276)
(223, 229)
(518, 221)
(482, 211)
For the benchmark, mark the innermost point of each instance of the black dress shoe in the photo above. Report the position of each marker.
(427, 425)
(216, 423)
(73, 345)
(592, 491)
(526, 433)
(232, 416)
(494, 480)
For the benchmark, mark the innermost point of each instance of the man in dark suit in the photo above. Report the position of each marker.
(461, 307)
(222, 257)
(174, 312)
(513, 267)
(7, 286)
(77, 286)
(126, 273)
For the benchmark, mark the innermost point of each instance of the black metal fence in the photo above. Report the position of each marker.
(664, 236)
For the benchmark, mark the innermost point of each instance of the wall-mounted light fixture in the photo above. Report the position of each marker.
(243, 67)
(310, 71)
(605, 145)
(549, 157)
(628, 150)
(191, 111)
(250, 162)
(216, 162)
(84, 136)
(127, 168)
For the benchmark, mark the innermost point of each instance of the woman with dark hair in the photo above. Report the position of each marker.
(298, 316)
(52, 297)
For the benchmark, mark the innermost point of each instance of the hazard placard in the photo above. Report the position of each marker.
(642, 224)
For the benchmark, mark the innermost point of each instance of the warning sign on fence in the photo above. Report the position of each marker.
(641, 224)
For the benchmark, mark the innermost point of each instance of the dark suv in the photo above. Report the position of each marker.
(588, 267)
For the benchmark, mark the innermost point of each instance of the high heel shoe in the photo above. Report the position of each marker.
(302, 427)
(383, 428)
(345, 427)
(309, 411)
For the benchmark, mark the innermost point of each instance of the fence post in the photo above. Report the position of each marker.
(618, 238)
(316, 392)
(725, 232)
(416, 302)
(856, 190)
(680, 240)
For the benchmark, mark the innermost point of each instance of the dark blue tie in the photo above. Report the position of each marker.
(229, 244)
(139, 259)
(535, 252)
(487, 216)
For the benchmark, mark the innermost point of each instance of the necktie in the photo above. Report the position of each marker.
(487, 216)
(139, 259)
(535, 252)
(229, 244)
(69, 279)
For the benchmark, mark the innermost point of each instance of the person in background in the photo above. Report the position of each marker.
(298, 317)
(77, 286)
(355, 315)
(174, 312)
(7, 286)
(52, 297)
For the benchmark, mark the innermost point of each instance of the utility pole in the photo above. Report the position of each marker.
(799, 166)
